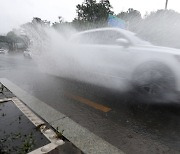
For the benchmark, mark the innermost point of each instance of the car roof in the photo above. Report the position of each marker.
(123, 31)
(130, 35)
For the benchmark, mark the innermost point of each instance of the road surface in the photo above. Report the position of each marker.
(108, 114)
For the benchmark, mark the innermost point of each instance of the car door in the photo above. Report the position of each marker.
(100, 53)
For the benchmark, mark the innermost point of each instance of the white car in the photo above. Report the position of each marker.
(118, 59)
(3, 51)
(27, 54)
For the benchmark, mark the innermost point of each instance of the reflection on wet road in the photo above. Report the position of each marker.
(115, 117)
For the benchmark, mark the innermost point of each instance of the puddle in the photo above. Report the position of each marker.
(17, 133)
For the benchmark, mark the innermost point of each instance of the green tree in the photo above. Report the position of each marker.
(161, 28)
(13, 39)
(93, 13)
(132, 17)
(39, 22)
(5, 42)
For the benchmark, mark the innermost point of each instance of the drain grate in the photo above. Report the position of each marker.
(21, 130)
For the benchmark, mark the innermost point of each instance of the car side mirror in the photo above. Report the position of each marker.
(122, 42)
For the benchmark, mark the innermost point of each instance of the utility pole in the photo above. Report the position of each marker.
(166, 4)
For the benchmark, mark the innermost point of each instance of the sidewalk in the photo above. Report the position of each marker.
(64, 135)
(22, 131)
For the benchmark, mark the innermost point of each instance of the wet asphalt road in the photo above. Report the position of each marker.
(117, 118)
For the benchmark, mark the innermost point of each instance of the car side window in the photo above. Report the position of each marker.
(89, 38)
(106, 37)
(110, 37)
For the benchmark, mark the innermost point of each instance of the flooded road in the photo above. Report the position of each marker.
(117, 118)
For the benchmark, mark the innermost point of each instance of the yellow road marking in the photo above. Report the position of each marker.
(89, 102)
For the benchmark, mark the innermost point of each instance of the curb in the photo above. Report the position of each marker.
(82, 138)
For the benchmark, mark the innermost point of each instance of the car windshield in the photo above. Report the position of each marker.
(90, 76)
(138, 40)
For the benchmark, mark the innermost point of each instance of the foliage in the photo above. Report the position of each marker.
(13, 37)
(4, 39)
(132, 17)
(39, 22)
(91, 12)
(161, 28)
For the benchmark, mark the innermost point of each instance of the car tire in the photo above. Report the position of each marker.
(153, 81)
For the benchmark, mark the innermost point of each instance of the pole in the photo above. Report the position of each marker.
(166, 4)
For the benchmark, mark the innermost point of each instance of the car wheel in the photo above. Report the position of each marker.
(153, 81)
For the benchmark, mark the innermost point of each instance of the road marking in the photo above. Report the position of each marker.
(89, 102)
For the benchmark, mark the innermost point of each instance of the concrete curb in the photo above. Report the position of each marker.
(78, 135)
